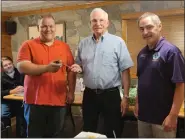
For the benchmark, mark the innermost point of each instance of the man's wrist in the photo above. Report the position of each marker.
(126, 96)
(173, 114)
(45, 68)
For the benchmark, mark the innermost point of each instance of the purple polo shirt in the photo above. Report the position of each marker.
(158, 71)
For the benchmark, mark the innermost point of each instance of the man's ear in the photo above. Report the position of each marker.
(160, 26)
(108, 22)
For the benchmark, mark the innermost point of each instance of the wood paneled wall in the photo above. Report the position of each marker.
(5, 39)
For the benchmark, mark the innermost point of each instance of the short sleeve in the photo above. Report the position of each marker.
(24, 53)
(176, 63)
(70, 59)
(78, 58)
(124, 58)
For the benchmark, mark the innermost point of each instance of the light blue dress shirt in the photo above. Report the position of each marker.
(102, 62)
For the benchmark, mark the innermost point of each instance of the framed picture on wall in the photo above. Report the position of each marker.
(60, 32)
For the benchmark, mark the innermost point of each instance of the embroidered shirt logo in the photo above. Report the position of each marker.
(156, 56)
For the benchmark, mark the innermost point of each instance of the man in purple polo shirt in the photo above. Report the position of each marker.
(161, 77)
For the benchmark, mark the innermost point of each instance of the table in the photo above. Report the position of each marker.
(78, 102)
(13, 97)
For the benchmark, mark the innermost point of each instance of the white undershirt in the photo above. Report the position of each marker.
(11, 74)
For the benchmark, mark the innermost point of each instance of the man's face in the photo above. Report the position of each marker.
(99, 23)
(150, 31)
(47, 29)
(7, 66)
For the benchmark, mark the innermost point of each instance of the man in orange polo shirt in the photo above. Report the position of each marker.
(48, 84)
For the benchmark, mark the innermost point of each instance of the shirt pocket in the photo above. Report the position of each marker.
(109, 59)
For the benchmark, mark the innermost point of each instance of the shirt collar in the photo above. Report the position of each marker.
(38, 40)
(11, 74)
(158, 45)
(102, 37)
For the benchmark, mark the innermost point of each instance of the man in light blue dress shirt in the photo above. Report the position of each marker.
(105, 61)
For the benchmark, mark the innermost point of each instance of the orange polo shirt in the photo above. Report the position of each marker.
(47, 88)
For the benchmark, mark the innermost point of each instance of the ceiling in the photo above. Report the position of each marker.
(17, 6)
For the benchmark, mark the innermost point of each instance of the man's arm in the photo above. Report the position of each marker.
(124, 62)
(177, 99)
(8, 92)
(5, 91)
(29, 68)
(176, 67)
(170, 122)
(177, 64)
(71, 77)
(126, 81)
(126, 85)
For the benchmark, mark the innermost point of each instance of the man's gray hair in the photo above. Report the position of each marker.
(155, 18)
(99, 10)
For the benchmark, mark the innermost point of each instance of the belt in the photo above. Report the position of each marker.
(99, 91)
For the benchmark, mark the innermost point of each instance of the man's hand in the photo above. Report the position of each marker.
(18, 89)
(76, 68)
(54, 66)
(170, 123)
(70, 98)
(124, 105)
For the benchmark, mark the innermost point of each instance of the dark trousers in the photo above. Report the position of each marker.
(44, 121)
(10, 109)
(107, 103)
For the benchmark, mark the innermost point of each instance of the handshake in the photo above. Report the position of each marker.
(54, 66)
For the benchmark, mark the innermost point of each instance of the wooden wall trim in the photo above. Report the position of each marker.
(129, 16)
(6, 14)
(62, 8)
(168, 12)
(124, 30)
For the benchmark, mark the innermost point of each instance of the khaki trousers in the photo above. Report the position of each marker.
(148, 130)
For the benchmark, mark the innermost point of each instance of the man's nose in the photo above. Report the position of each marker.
(98, 22)
(48, 29)
(145, 31)
(9, 66)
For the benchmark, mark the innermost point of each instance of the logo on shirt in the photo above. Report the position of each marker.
(156, 56)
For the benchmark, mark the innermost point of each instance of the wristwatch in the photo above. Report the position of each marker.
(126, 96)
